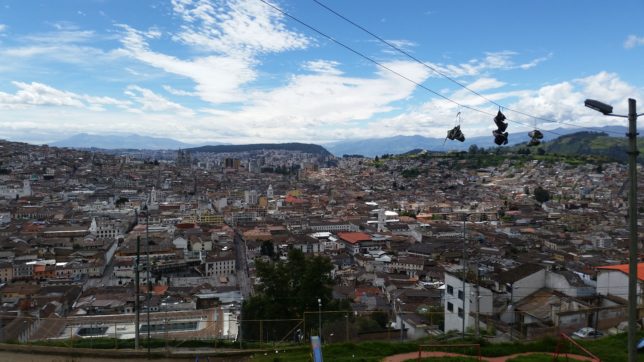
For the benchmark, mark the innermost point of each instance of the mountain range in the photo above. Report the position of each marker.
(122, 141)
(366, 147)
(401, 144)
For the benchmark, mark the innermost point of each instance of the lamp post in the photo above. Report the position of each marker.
(464, 275)
(137, 302)
(320, 319)
(241, 314)
(147, 268)
(607, 110)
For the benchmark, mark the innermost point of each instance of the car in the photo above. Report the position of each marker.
(587, 332)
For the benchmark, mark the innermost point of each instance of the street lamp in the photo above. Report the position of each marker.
(320, 319)
(607, 110)
(147, 268)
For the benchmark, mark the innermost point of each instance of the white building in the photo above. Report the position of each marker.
(463, 301)
(613, 280)
(220, 265)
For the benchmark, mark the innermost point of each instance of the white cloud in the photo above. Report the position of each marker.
(633, 40)
(178, 92)
(38, 94)
(308, 104)
(3, 27)
(323, 67)
(318, 108)
(502, 60)
(230, 33)
(562, 103)
(152, 102)
(234, 26)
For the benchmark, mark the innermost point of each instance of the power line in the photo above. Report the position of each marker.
(393, 46)
(362, 55)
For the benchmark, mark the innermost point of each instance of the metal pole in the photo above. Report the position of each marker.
(464, 277)
(320, 319)
(478, 302)
(241, 314)
(147, 268)
(137, 305)
(346, 325)
(632, 221)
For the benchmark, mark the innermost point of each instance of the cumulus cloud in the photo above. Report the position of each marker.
(323, 67)
(152, 102)
(503, 60)
(230, 35)
(38, 94)
(234, 26)
(633, 40)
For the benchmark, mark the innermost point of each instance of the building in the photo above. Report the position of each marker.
(464, 302)
(613, 280)
(221, 264)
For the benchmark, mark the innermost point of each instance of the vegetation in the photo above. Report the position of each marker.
(541, 195)
(446, 359)
(288, 289)
(541, 357)
(608, 349)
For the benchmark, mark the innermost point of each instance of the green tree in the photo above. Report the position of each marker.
(541, 194)
(268, 249)
(288, 289)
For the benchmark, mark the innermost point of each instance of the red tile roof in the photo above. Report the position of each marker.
(624, 269)
(355, 237)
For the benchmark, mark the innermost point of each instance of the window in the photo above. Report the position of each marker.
(460, 312)
(450, 290)
(460, 294)
(450, 307)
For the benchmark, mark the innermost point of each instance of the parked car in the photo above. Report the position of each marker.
(587, 332)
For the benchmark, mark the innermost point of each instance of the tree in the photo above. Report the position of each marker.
(268, 249)
(474, 149)
(288, 289)
(541, 195)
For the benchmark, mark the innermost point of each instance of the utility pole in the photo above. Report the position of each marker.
(633, 302)
(147, 268)
(632, 222)
(137, 303)
(464, 276)
(478, 302)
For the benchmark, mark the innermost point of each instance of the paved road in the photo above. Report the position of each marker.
(242, 266)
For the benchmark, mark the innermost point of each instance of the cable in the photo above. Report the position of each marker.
(387, 68)
(445, 75)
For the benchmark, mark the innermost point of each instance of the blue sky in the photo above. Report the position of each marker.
(239, 71)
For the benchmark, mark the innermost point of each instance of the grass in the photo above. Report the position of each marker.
(446, 359)
(608, 349)
(541, 357)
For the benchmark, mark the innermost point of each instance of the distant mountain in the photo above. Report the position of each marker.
(402, 144)
(303, 147)
(121, 141)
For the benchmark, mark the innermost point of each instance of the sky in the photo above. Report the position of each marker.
(242, 71)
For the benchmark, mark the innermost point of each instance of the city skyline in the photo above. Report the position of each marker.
(240, 71)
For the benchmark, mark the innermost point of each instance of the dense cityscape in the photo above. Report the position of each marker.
(427, 243)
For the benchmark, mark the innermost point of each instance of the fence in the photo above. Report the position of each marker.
(216, 328)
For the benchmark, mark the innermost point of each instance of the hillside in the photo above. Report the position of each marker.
(302, 147)
(593, 143)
